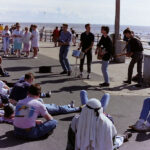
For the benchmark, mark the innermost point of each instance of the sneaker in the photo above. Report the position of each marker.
(80, 76)
(72, 105)
(140, 126)
(104, 84)
(69, 73)
(127, 82)
(63, 72)
(48, 94)
(88, 76)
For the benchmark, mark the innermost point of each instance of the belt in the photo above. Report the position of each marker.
(25, 129)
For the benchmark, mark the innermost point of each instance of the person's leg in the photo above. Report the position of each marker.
(61, 53)
(66, 59)
(104, 69)
(130, 69)
(81, 64)
(105, 101)
(89, 61)
(54, 109)
(83, 97)
(43, 129)
(145, 110)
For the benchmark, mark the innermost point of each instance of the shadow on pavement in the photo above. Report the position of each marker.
(142, 137)
(67, 118)
(8, 140)
(22, 68)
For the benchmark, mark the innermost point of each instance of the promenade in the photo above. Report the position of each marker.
(125, 103)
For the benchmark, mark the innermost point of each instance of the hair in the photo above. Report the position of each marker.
(29, 76)
(34, 26)
(105, 28)
(87, 25)
(35, 89)
(127, 31)
(66, 25)
(26, 28)
(8, 110)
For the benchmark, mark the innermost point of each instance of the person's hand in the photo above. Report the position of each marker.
(39, 122)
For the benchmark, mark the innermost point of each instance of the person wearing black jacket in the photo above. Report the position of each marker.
(87, 41)
(136, 53)
(104, 48)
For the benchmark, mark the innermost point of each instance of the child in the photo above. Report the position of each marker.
(7, 115)
(35, 40)
(6, 38)
(26, 41)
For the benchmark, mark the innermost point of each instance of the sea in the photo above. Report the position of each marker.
(143, 32)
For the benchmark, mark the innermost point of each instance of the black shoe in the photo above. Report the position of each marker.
(48, 94)
(126, 136)
(104, 84)
(63, 72)
(69, 73)
(127, 82)
(88, 76)
(138, 85)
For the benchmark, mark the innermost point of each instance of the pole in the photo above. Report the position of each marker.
(117, 22)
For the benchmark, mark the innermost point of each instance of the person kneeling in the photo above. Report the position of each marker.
(27, 111)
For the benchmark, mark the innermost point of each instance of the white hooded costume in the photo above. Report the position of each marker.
(94, 131)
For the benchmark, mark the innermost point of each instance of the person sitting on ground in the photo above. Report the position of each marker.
(4, 89)
(27, 111)
(7, 114)
(92, 129)
(2, 72)
(20, 89)
(143, 124)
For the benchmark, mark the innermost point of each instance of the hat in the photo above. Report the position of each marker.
(94, 103)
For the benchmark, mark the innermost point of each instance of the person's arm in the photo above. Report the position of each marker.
(89, 47)
(48, 117)
(98, 48)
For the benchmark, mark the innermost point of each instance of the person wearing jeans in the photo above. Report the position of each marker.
(27, 111)
(64, 42)
(104, 100)
(143, 124)
(104, 50)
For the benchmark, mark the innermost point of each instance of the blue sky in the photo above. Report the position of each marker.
(133, 12)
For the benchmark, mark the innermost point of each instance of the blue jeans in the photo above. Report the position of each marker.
(63, 58)
(104, 69)
(104, 100)
(145, 110)
(36, 132)
(54, 109)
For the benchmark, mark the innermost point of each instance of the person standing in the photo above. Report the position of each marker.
(17, 35)
(64, 42)
(6, 40)
(35, 40)
(104, 48)
(136, 53)
(55, 36)
(87, 41)
(26, 41)
(41, 33)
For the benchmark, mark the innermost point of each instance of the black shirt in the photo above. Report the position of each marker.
(106, 42)
(135, 45)
(86, 40)
(19, 91)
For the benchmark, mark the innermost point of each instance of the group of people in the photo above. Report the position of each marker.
(16, 37)
(104, 51)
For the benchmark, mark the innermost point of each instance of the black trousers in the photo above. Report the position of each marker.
(137, 58)
(89, 61)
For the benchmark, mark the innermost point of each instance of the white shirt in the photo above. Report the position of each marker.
(27, 111)
(26, 37)
(6, 32)
(18, 33)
